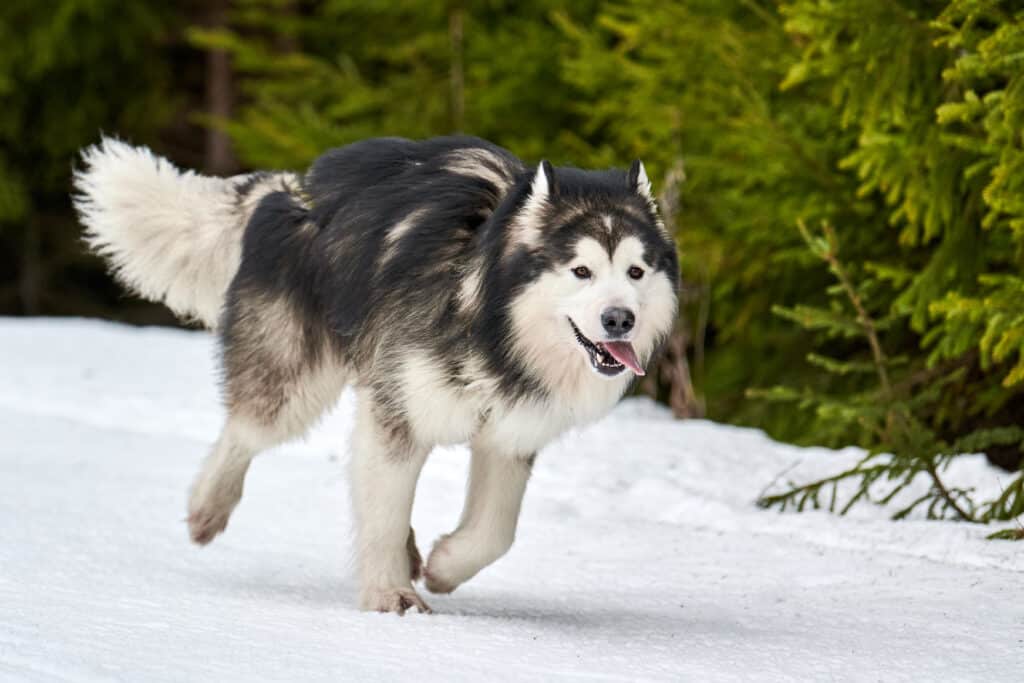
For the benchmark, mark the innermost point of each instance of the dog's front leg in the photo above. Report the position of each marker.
(385, 467)
(497, 482)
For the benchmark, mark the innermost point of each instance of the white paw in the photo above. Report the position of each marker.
(392, 600)
(209, 512)
(458, 557)
(206, 522)
(439, 572)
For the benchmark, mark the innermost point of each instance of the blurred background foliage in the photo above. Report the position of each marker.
(899, 124)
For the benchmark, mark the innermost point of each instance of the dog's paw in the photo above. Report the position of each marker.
(210, 505)
(443, 572)
(437, 583)
(459, 556)
(396, 600)
(204, 523)
(446, 566)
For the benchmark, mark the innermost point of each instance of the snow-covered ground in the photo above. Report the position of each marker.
(640, 555)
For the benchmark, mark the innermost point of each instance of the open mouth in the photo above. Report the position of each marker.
(608, 358)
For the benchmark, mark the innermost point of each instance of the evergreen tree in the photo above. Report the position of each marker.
(64, 76)
(892, 413)
(985, 121)
(342, 70)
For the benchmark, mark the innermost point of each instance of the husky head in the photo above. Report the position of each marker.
(598, 274)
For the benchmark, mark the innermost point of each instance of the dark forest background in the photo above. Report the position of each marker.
(846, 177)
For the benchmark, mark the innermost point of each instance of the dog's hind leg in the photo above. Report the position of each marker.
(279, 379)
(487, 529)
(385, 467)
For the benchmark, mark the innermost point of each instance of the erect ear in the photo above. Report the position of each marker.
(637, 179)
(529, 221)
(543, 184)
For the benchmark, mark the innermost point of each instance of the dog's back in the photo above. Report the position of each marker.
(176, 237)
(380, 228)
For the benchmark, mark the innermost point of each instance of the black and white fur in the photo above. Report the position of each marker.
(463, 295)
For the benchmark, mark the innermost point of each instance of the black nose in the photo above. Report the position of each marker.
(617, 321)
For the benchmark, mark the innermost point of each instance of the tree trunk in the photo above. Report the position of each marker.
(219, 157)
(673, 367)
(457, 104)
(30, 277)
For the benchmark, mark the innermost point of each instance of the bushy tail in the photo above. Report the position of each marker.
(171, 236)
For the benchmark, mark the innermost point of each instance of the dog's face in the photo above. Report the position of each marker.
(613, 298)
(605, 273)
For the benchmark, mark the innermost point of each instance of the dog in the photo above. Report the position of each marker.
(466, 297)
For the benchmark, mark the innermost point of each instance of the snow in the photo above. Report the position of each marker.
(640, 556)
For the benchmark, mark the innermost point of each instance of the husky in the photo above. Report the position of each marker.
(466, 297)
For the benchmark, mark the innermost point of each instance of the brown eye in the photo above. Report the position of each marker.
(635, 272)
(582, 272)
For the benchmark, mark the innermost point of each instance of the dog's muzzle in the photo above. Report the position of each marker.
(609, 358)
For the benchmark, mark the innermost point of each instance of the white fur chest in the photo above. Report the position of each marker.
(528, 425)
(441, 413)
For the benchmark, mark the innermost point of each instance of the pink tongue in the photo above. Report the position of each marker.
(623, 352)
